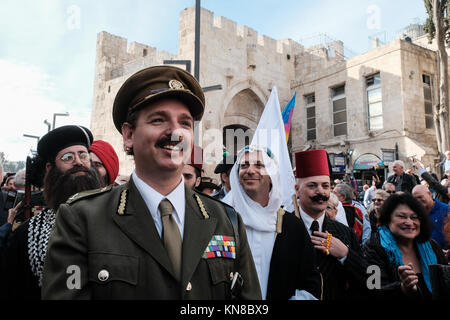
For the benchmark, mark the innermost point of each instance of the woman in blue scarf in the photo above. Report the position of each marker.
(403, 250)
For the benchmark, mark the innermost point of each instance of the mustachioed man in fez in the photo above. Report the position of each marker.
(152, 238)
(63, 154)
(339, 256)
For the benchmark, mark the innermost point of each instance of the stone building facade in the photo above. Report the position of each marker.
(370, 109)
(332, 110)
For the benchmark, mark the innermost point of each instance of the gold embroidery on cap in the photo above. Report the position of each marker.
(176, 85)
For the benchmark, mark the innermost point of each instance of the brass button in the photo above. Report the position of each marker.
(189, 287)
(103, 275)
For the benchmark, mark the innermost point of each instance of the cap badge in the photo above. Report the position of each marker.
(176, 85)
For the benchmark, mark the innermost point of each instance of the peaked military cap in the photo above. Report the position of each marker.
(63, 137)
(154, 83)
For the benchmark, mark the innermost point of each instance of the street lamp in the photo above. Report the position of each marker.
(48, 124)
(31, 136)
(58, 114)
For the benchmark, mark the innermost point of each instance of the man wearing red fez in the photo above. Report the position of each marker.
(105, 160)
(192, 173)
(339, 256)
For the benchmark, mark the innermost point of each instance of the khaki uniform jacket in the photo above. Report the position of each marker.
(108, 239)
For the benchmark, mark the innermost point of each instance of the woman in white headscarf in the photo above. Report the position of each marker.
(258, 203)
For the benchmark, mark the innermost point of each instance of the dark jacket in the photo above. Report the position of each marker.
(113, 233)
(390, 280)
(18, 281)
(407, 184)
(442, 192)
(293, 262)
(345, 281)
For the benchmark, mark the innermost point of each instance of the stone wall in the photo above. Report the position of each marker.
(401, 65)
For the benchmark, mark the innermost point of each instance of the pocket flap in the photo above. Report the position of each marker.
(105, 267)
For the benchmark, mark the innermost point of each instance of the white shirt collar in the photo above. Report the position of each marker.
(308, 220)
(152, 198)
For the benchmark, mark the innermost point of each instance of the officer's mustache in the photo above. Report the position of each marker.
(175, 141)
(75, 169)
(319, 197)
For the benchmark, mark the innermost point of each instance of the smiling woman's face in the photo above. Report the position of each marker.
(404, 223)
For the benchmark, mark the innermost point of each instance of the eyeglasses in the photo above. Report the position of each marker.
(69, 157)
(402, 217)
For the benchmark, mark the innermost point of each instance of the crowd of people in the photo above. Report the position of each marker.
(168, 231)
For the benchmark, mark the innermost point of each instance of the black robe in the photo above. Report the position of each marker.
(348, 280)
(293, 264)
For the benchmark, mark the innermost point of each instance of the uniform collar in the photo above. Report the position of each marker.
(152, 198)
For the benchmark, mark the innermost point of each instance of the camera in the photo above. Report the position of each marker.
(35, 171)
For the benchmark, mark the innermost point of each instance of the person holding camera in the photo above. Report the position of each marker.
(63, 154)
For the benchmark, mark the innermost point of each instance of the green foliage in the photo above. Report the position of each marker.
(430, 27)
(13, 166)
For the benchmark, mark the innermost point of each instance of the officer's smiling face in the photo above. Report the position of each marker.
(163, 129)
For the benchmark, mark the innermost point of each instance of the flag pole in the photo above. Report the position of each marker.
(294, 201)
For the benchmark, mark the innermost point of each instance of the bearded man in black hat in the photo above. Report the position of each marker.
(63, 155)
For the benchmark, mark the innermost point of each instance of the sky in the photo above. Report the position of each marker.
(48, 47)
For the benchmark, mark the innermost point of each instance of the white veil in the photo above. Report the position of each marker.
(253, 214)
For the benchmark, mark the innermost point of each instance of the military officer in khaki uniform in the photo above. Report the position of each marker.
(152, 238)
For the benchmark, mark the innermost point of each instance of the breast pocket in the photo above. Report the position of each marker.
(112, 275)
(221, 272)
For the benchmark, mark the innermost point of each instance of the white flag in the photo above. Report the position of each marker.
(270, 133)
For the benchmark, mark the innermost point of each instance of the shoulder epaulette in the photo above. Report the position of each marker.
(280, 213)
(88, 194)
(211, 198)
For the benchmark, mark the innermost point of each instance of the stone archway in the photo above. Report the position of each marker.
(241, 118)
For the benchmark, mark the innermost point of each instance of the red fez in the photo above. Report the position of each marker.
(312, 163)
(197, 157)
(108, 156)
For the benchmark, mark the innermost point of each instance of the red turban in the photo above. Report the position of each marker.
(108, 156)
(312, 163)
(197, 157)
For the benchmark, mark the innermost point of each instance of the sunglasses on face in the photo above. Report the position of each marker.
(389, 191)
(374, 200)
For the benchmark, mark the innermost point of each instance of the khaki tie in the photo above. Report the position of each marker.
(171, 236)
